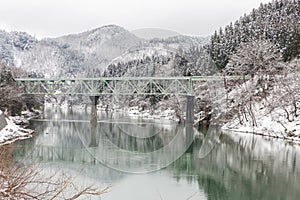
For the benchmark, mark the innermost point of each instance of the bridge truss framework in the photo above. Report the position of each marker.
(115, 85)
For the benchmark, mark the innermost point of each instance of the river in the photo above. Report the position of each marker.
(159, 159)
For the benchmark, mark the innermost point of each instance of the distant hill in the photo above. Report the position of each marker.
(151, 33)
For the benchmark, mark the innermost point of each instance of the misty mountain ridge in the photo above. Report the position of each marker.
(151, 33)
(86, 54)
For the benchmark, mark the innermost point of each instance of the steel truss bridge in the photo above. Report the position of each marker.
(95, 87)
(115, 85)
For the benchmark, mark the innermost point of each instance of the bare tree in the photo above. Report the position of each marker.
(26, 182)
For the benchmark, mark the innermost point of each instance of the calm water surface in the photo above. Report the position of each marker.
(156, 159)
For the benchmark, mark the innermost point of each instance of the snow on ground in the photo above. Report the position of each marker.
(158, 114)
(268, 125)
(12, 132)
(133, 111)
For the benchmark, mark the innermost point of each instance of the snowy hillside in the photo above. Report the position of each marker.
(150, 61)
(158, 57)
(13, 42)
(268, 104)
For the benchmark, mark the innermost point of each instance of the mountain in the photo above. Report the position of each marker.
(151, 33)
(87, 54)
(84, 54)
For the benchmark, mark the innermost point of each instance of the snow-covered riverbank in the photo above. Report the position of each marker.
(272, 124)
(269, 126)
(12, 132)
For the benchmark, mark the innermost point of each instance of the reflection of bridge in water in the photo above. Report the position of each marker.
(128, 155)
(119, 144)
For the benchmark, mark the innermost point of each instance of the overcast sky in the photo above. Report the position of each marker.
(50, 18)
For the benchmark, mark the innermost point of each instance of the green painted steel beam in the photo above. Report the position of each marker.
(116, 85)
